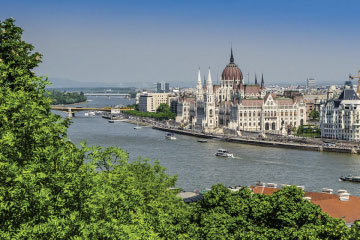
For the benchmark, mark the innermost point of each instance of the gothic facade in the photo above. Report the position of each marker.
(238, 106)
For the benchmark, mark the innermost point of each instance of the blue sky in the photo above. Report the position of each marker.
(139, 43)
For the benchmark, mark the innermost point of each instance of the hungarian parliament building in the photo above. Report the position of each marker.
(235, 106)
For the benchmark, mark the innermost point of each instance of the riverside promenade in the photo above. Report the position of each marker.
(260, 142)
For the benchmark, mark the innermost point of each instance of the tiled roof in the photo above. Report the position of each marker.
(248, 89)
(329, 203)
(252, 102)
(285, 101)
(347, 210)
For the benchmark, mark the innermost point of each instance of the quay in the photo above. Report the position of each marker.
(261, 142)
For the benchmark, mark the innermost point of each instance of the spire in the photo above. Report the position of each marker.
(199, 79)
(199, 90)
(262, 82)
(231, 57)
(209, 86)
(255, 79)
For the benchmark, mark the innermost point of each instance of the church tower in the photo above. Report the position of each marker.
(210, 122)
(199, 89)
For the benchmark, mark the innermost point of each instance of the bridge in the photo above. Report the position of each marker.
(72, 110)
(108, 94)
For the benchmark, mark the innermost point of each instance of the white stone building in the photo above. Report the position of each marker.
(236, 106)
(340, 118)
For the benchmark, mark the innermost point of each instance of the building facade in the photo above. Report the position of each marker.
(236, 106)
(149, 102)
(340, 118)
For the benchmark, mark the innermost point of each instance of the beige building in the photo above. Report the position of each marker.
(271, 114)
(150, 102)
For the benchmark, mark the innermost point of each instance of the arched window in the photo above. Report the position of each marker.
(266, 126)
(210, 111)
(273, 126)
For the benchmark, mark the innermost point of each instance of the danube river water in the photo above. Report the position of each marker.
(197, 166)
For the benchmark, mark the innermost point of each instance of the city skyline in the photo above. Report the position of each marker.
(119, 43)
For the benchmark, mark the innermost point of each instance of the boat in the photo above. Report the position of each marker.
(350, 178)
(89, 114)
(202, 141)
(224, 153)
(111, 121)
(137, 127)
(170, 136)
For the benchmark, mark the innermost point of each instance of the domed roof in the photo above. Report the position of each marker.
(232, 71)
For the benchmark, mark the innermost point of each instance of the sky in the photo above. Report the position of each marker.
(139, 43)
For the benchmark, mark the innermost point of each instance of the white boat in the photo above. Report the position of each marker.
(170, 136)
(89, 114)
(224, 153)
(137, 127)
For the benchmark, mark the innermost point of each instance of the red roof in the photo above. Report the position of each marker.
(252, 102)
(248, 89)
(232, 72)
(329, 203)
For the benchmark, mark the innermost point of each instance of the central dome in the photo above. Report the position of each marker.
(232, 71)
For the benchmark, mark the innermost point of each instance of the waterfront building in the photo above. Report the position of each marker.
(339, 118)
(234, 106)
(149, 102)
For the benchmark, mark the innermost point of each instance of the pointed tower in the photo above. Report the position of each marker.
(256, 80)
(209, 85)
(231, 57)
(199, 89)
(210, 119)
(262, 87)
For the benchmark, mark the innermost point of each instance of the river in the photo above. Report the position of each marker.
(197, 166)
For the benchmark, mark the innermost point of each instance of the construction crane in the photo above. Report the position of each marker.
(358, 77)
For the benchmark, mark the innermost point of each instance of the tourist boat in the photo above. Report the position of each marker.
(170, 136)
(350, 178)
(202, 141)
(224, 153)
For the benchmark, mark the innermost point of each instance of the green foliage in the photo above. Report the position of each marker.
(66, 97)
(158, 115)
(222, 214)
(163, 108)
(51, 189)
(314, 115)
(309, 131)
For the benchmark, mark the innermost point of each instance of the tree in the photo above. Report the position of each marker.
(222, 214)
(163, 108)
(50, 188)
(314, 115)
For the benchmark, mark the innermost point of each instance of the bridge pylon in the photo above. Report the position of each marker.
(70, 113)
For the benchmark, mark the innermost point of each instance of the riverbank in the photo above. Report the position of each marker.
(264, 142)
(260, 142)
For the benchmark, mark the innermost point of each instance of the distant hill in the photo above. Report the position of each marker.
(68, 83)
